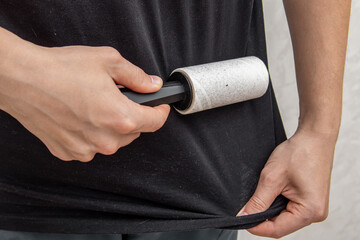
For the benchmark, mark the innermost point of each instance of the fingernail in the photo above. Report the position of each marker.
(156, 80)
(242, 213)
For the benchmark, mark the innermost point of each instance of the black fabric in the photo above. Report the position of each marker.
(202, 234)
(196, 172)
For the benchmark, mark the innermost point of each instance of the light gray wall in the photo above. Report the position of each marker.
(344, 216)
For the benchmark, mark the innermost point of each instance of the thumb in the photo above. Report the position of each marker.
(265, 194)
(134, 78)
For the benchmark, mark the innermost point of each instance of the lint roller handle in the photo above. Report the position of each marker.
(176, 90)
(170, 92)
(211, 85)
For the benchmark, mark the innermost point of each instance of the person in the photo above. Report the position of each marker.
(61, 102)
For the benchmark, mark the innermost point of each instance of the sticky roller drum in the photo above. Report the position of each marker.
(201, 87)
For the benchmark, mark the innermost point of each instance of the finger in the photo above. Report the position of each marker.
(127, 139)
(155, 118)
(110, 145)
(267, 190)
(127, 74)
(288, 221)
(58, 152)
(151, 119)
(53, 144)
(64, 154)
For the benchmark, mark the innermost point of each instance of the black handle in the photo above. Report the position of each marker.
(171, 92)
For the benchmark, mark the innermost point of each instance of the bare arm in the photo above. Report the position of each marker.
(300, 168)
(319, 31)
(68, 98)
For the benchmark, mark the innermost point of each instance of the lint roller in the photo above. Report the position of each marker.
(206, 86)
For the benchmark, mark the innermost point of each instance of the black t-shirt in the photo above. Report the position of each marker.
(195, 172)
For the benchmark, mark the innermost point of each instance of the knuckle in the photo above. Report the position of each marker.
(257, 203)
(63, 157)
(268, 179)
(111, 53)
(85, 157)
(125, 125)
(58, 155)
(303, 212)
(108, 148)
(82, 153)
(276, 234)
(316, 212)
(307, 216)
(320, 214)
(119, 121)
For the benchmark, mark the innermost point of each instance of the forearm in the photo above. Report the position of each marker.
(300, 167)
(319, 30)
(11, 47)
(43, 88)
(15, 57)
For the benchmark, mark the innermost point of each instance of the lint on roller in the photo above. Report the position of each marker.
(201, 87)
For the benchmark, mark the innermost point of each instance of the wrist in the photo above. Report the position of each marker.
(19, 58)
(326, 129)
(321, 117)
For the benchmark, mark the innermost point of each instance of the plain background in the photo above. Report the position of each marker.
(344, 213)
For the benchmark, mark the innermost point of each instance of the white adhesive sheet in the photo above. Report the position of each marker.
(226, 82)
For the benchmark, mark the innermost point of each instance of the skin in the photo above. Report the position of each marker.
(300, 168)
(48, 101)
(44, 89)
